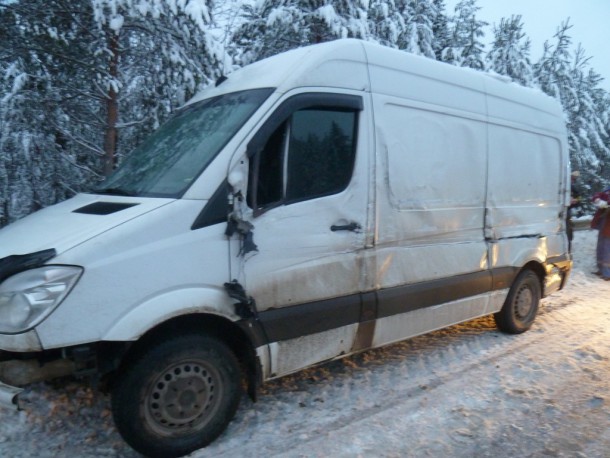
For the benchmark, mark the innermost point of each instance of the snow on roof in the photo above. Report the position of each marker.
(310, 66)
(346, 63)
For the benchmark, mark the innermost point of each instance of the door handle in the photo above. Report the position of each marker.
(353, 227)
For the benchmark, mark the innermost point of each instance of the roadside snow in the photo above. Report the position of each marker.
(464, 391)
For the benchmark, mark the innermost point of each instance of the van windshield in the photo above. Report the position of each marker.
(168, 162)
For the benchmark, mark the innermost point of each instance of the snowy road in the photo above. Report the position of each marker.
(464, 391)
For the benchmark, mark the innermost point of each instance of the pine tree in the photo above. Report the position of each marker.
(167, 37)
(404, 24)
(510, 51)
(466, 49)
(588, 134)
(387, 24)
(85, 81)
(275, 26)
(419, 38)
(552, 71)
(440, 29)
(569, 79)
(601, 99)
(37, 159)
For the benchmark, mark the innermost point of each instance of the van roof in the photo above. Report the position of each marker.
(302, 67)
(365, 66)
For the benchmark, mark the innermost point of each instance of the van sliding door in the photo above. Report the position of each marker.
(430, 252)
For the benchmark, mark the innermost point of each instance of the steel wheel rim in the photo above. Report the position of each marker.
(183, 398)
(524, 302)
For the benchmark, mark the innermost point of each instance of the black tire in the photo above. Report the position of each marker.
(521, 305)
(177, 396)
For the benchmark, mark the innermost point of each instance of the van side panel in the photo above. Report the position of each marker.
(431, 152)
(417, 322)
(420, 79)
(531, 207)
(430, 194)
(527, 140)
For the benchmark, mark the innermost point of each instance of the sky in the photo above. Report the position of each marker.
(542, 17)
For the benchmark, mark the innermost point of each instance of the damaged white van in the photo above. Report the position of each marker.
(324, 201)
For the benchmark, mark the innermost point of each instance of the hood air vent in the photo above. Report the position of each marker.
(103, 208)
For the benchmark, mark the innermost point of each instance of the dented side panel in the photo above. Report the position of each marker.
(525, 169)
(410, 324)
(294, 354)
(300, 256)
(431, 179)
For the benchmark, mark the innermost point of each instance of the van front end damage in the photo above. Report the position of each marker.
(9, 396)
(15, 374)
(30, 290)
(18, 370)
(21, 369)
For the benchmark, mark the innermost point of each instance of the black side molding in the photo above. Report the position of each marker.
(19, 262)
(314, 317)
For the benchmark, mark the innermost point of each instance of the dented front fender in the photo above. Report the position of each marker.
(163, 307)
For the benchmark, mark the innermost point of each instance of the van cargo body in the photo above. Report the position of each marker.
(328, 200)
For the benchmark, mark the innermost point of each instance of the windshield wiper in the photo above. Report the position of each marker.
(114, 192)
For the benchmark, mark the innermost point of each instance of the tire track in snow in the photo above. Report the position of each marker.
(469, 359)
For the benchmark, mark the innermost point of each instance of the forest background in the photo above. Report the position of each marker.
(83, 82)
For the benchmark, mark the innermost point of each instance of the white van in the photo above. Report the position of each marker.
(321, 202)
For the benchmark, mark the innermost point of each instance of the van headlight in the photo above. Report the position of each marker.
(28, 297)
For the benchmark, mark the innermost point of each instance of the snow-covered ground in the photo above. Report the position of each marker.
(461, 392)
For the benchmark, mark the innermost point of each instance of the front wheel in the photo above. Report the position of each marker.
(521, 305)
(177, 397)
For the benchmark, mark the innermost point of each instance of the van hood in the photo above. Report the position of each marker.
(68, 224)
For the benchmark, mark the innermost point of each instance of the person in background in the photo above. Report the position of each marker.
(601, 222)
(574, 202)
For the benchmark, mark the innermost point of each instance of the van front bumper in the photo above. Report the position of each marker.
(9, 396)
(24, 342)
(557, 274)
(15, 373)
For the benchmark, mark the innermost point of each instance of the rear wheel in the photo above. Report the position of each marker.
(177, 397)
(521, 305)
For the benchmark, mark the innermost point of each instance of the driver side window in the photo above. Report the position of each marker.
(311, 154)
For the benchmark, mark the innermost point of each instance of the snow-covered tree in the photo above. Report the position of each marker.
(440, 29)
(570, 80)
(509, 54)
(601, 99)
(404, 24)
(387, 24)
(83, 81)
(39, 166)
(159, 51)
(553, 70)
(419, 38)
(588, 134)
(466, 48)
(274, 26)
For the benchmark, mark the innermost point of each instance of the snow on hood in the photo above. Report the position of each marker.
(61, 228)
